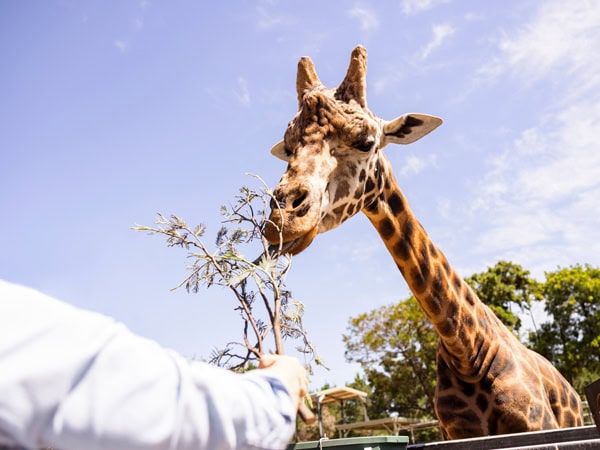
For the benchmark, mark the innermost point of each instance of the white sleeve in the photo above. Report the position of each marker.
(74, 379)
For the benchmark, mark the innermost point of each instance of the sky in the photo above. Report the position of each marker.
(111, 112)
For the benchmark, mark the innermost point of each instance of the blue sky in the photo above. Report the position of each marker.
(113, 111)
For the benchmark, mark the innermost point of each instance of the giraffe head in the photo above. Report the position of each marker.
(333, 147)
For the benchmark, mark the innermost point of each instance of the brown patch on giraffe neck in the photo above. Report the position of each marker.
(450, 304)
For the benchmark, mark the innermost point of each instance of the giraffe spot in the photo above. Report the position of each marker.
(362, 176)
(451, 402)
(337, 212)
(396, 203)
(471, 418)
(433, 304)
(418, 280)
(483, 323)
(467, 388)
(342, 191)
(380, 182)
(452, 319)
(446, 327)
(424, 262)
(535, 413)
(370, 199)
(369, 185)
(502, 398)
(352, 168)
(444, 383)
(433, 250)
(563, 398)
(486, 384)
(482, 402)
(501, 365)
(553, 396)
(469, 321)
(445, 415)
(446, 266)
(402, 248)
(462, 335)
(351, 209)
(568, 419)
(548, 420)
(437, 284)
(386, 228)
(574, 403)
(470, 297)
(371, 205)
(457, 282)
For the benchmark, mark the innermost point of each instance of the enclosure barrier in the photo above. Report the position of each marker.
(579, 438)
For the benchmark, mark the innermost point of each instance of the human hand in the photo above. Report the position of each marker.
(291, 373)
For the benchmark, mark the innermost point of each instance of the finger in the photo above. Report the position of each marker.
(266, 361)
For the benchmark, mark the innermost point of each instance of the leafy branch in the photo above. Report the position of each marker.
(253, 281)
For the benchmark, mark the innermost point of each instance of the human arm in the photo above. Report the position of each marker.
(77, 379)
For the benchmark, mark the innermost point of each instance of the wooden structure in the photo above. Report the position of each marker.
(393, 425)
(592, 393)
(340, 395)
(578, 438)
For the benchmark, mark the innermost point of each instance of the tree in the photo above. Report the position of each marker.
(571, 339)
(396, 347)
(505, 286)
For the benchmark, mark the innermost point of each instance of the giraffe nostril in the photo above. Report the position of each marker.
(299, 200)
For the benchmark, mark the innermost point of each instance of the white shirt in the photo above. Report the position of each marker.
(74, 379)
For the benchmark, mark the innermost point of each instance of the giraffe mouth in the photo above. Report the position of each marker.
(294, 246)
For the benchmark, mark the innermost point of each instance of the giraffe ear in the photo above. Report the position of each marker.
(409, 128)
(278, 151)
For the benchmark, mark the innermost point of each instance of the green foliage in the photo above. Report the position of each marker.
(396, 347)
(354, 409)
(505, 287)
(571, 339)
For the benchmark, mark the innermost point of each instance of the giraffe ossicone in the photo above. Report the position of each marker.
(488, 382)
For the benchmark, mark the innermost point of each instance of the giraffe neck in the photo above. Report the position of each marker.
(469, 331)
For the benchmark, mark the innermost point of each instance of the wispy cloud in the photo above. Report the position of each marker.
(367, 18)
(413, 165)
(538, 202)
(138, 24)
(243, 95)
(121, 45)
(410, 7)
(563, 35)
(440, 33)
(267, 19)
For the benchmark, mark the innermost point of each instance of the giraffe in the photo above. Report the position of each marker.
(488, 383)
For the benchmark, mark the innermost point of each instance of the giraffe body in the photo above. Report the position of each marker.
(488, 382)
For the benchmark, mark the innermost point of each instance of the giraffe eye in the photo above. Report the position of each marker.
(365, 146)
